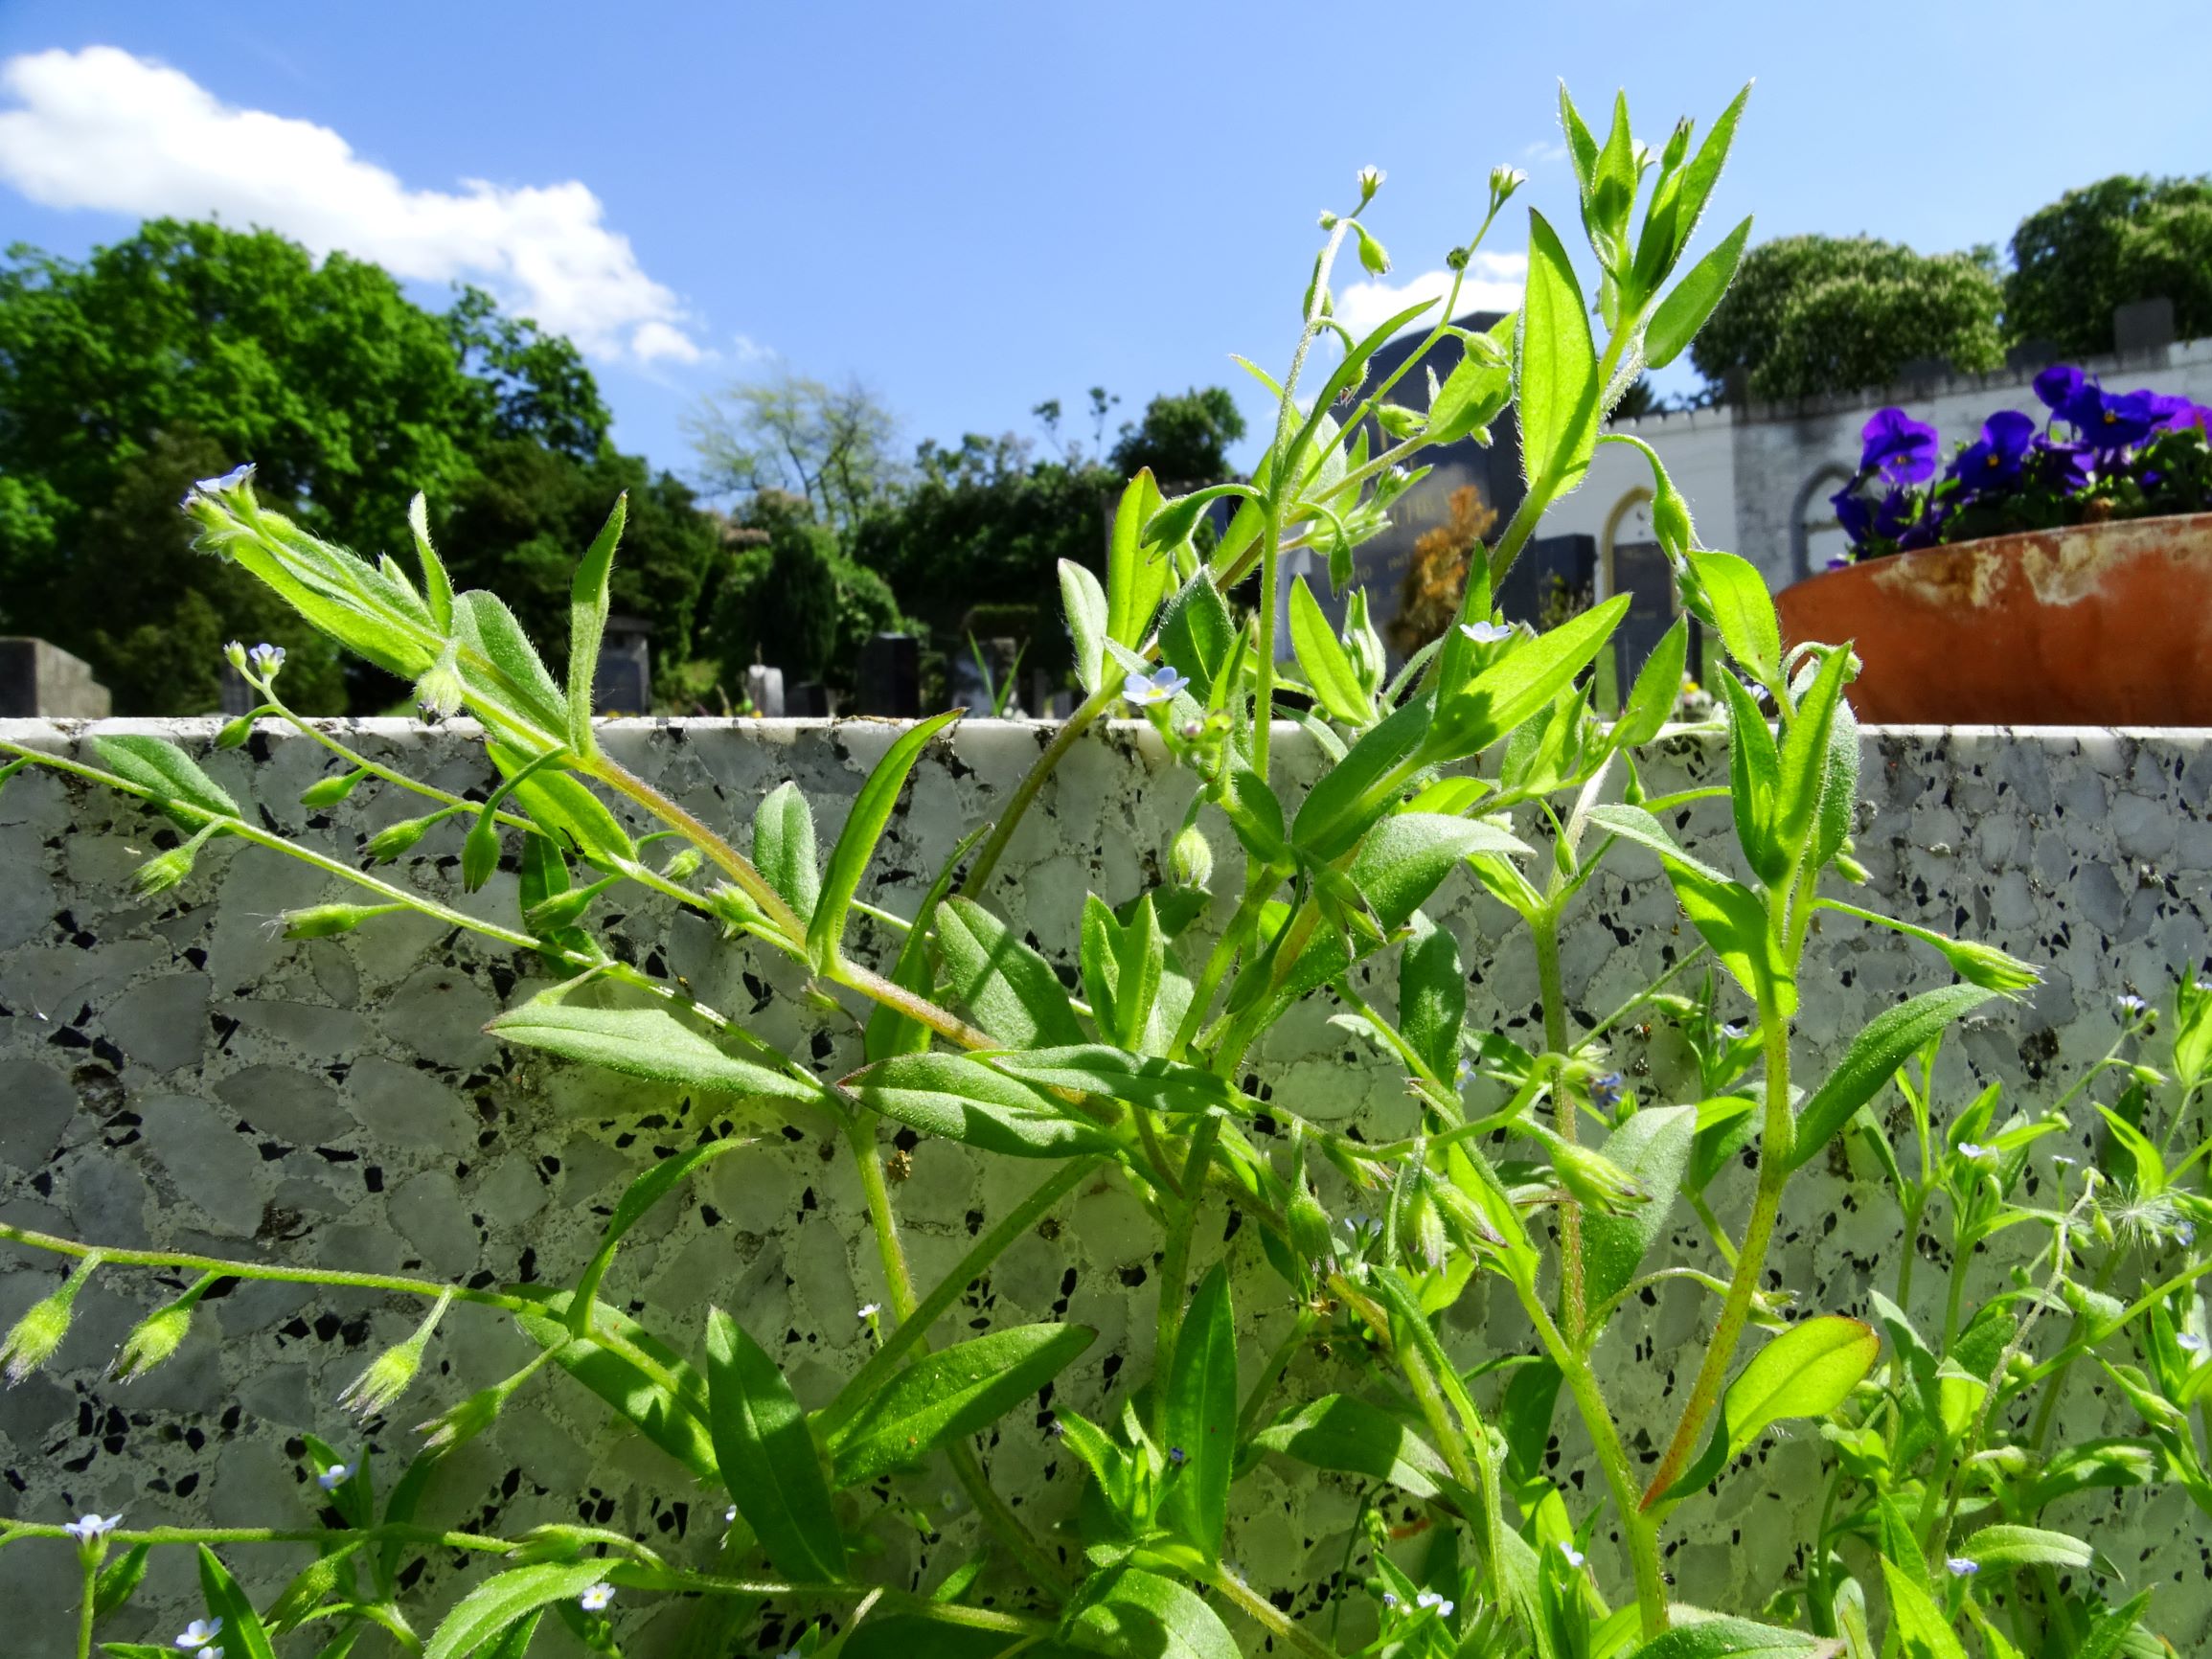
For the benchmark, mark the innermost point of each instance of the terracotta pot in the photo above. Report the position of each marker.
(2100, 625)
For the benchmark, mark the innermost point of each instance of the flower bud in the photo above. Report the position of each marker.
(323, 921)
(1424, 1231)
(734, 906)
(1398, 422)
(561, 910)
(465, 1420)
(235, 733)
(1851, 870)
(1191, 859)
(1458, 258)
(31, 1343)
(684, 865)
(1362, 644)
(480, 854)
(158, 1335)
(1988, 967)
(165, 869)
(234, 655)
(1503, 182)
(1370, 181)
(395, 839)
(1374, 258)
(330, 791)
(392, 1373)
(440, 693)
(1591, 1177)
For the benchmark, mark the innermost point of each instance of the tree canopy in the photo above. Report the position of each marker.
(2115, 242)
(1811, 315)
(1184, 439)
(828, 445)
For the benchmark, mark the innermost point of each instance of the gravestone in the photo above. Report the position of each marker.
(808, 700)
(1554, 576)
(41, 679)
(622, 680)
(890, 676)
(764, 689)
(1641, 571)
(2143, 326)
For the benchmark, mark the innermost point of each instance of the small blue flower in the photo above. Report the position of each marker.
(200, 1634)
(1575, 1558)
(1968, 1149)
(1961, 1566)
(1161, 685)
(1389, 1599)
(1487, 633)
(595, 1599)
(334, 1477)
(266, 659)
(1177, 1456)
(2189, 1341)
(236, 478)
(1733, 1032)
(90, 1527)
(1606, 1092)
(2131, 1003)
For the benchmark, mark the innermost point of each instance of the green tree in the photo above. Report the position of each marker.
(830, 445)
(1815, 314)
(1184, 438)
(189, 347)
(2120, 239)
(792, 599)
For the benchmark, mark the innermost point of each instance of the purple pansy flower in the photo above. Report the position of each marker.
(1903, 449)
(2109, 423)
(1853, 514)
(2067, 467)
(1995, 459)
(2059, 385)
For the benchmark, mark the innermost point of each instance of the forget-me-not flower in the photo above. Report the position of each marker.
(595, 1599)
(2131, 1003)
(1575, 1558)
(90, 1527)
(334, 1477)
(1961, 1566)
(199, 1635)
(266, 659)
(1606, 1092)
(1487, 633)
(2190, 1342)
(238, 475)
(1160, 686)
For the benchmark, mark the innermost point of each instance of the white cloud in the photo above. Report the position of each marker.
(103, 129)
(1543, 149)
(1493, 283)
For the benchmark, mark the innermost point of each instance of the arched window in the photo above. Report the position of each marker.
(1630, 523)
(1814, 535)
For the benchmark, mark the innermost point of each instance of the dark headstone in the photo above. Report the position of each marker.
(2035, 355)
(970, 690)
(808, 700)
(38, 680)
(891, 676)
(1554, 576)
(2143, 326)
(1641, 571)
(622, 680)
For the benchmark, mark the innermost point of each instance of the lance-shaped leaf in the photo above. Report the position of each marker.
(768, 1461)
(863, 829)
(947, 1395)
(244, 1633)
(1874, 1057)
(1683, 311)
(1659, 686)
(564, 807)
(637, 1199)
(1922, 1630)
(1136, 576)
(1118, 1075)
(1557, 368)
(1478, 387)
(587, 607)
(1127, 1613)
(1634, 824)
(784, 848)
(1200, 1419)
(1089, 624)
(1732, 920)
(1652, 1149)
(1804, 755)
(1406, 856)
(1328, 668)
(2010, 1546)
(1754, 782)
(169, 777)
(1196, 634)
(892, 1033)
(1339, 1432)
(504, 676)
(1351, 795)
(1432, 998)
(1526, 680)
(1742, 611)
(1733, 1639)
(1011, 990)
(958, 1099)
(506, 1600)
(646, 1042)
(651, 1385)
(1808, 1371)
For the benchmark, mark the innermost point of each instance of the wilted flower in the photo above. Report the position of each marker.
(1160, 686)
(1487, 633)
(199, 1633)
(392, 1373)
(1899, 447)
(31, 1343)
(595, 1599)
(87, 1529)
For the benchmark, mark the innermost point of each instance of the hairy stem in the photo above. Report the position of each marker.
(1544, 928)
(1175, 1262)
(1265, 1614)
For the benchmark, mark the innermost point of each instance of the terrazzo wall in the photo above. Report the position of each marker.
(174, 1073)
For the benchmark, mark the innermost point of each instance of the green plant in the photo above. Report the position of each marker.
(1535, 1167)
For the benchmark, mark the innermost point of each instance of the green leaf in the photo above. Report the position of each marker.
(1659, 686)
(1432, 998)
(1732, 918)
(244, 1637)
(1874, 1057)
(1806, 753)
(1839, 789)
(639, 1197)
(1808, 1371)
(1329, 670)
(784, 848)
(1127, 1613)
(564, 807)
(502, 670)
(1652, 1149)
(1730, 1639)
(1089, 622)
(863, 829)
(1703, 173)
(1478, 387)
(1916, 1621)
(767, 1457)
(1136, 577)
(1582, 146)
(659, 1393)
(2008, 1546)
(437, 585)
(958, 1099)
(1683, 311)
(502, 1601)
(1754, 782)
(2109, 1633)
(950, 1395)
(1196, 634)
(645, 1043)
(892, 1033)
(168, 774)
(1338, 1432)
(1408, 854)
(1201, 1417)
(1139, 960)
(1634, 824)
(1556, 369)
(1013, 991)
(1119, 1074)
(119, 1580)
(1351, 795)
(1742, 611)
(588, 609)
(1526, 680)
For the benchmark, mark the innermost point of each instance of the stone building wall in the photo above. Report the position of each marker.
(172, 1073)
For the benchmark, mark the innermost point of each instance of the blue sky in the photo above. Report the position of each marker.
(976, 207)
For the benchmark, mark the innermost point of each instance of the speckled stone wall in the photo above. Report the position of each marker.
(172, 1073)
